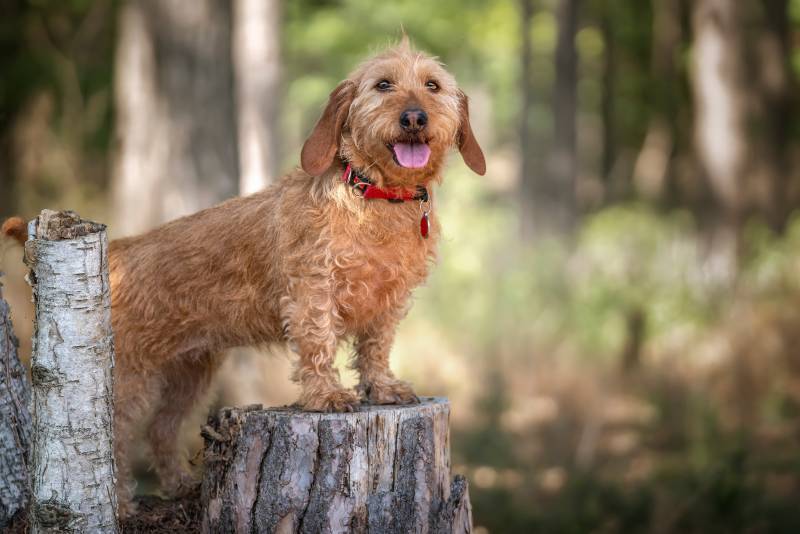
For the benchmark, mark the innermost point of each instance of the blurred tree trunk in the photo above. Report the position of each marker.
(555, 194)
(720, 96)
(652, 168)
(257, 63)
(548, 198)
(636, 326)
(527, 179)
(776, 87)
(176, 131)
(742, 88)
(607, 104)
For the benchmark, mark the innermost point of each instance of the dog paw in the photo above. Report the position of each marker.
(338, 400)
(127, 507)
(388, 392)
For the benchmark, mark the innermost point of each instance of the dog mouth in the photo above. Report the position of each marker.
(411, 154)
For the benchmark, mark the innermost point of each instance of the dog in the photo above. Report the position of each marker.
(330, 252)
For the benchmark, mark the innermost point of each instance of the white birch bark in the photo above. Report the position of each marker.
(381, 469)
(15, 422)
(257, 68)
(72, 465)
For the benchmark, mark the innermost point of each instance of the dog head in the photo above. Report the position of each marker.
(394, 118)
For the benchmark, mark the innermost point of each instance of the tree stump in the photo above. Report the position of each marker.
(380, 469)
(71, 460)
(15, 422)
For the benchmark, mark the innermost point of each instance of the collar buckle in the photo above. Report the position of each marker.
(369, 190)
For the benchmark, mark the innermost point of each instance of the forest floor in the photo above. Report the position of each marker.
(156, 515)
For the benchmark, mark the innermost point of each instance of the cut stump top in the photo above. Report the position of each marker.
(436, 403)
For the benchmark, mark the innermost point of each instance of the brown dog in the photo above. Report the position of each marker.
(312, 260)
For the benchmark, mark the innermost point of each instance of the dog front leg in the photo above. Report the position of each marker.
(314, 329)
(377, 383)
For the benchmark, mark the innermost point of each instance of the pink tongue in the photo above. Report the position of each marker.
(412, 155)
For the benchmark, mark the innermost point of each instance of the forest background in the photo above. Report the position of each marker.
(616, 311)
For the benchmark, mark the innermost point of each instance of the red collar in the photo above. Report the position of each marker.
(370, 191)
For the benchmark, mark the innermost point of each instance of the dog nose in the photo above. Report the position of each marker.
(413, 120)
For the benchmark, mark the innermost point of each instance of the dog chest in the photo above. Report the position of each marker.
(378, 279)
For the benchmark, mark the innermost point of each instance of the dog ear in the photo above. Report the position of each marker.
(467, 144)
(321, 146)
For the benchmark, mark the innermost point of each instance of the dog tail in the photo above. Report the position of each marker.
(15, 227)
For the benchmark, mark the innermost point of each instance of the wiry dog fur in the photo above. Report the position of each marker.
(306, 261)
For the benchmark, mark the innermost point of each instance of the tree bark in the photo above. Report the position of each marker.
(15, 422)
(72, 466)
(175, 111)
(380, 469)
(257, 66)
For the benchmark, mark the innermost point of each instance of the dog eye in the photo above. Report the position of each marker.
(383, 85)
(432, 85)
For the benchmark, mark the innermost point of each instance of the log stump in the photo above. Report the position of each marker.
(15, 422)
(379, 469)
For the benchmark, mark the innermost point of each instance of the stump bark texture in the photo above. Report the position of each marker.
(72, 468)
(15, 422)
(382, 469)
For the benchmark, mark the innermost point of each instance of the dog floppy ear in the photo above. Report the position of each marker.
(467, 144)
(321, 146)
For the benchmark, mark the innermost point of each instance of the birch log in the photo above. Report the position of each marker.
(15, 422)
(381, 469)
(72, 467)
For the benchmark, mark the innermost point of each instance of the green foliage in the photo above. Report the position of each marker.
(55, 101)
(625, 258)
(773, 259)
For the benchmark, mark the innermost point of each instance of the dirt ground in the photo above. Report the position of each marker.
(155, 516)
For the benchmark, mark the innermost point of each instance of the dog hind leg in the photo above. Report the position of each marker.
(134, 394)
(184, 383)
